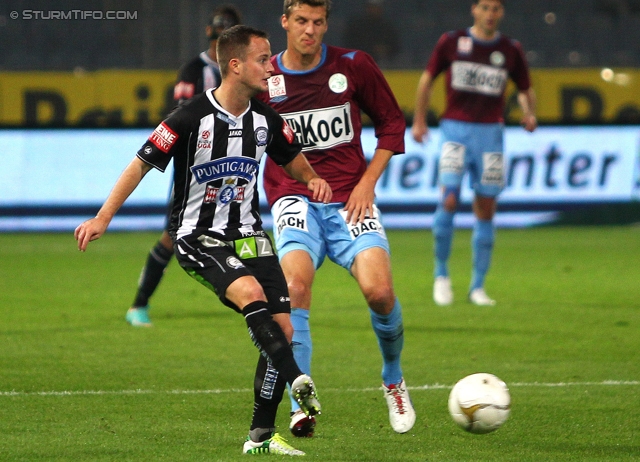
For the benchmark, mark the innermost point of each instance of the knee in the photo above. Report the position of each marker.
(252, 293)
(450, 197)
(484, 207)
(299, 292)
(380, 298)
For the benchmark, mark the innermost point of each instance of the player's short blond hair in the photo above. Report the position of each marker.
(289, 4)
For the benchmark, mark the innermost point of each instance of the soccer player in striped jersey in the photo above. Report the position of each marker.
(216, 141)
(196, 76)
(477, 61)
(320, 91)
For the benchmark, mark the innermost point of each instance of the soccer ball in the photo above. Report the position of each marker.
(480, 403)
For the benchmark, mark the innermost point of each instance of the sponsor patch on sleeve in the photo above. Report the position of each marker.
(163, 137)
(287, 132)
(183, 90)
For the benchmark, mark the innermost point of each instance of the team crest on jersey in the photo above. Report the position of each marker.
(230, 192)
(338, 83)
(465, 45)
(497, 58)
(261, 134)
(277, 88)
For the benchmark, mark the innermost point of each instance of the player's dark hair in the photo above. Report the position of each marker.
(289, 4)
(223, 17)
(475, 2)
(233, 43)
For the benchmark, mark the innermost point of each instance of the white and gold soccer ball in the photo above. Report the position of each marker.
(480, 403)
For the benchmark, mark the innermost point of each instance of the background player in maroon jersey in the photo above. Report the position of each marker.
(320, 91)
(214, 234)
(196, 76)
(477, 62)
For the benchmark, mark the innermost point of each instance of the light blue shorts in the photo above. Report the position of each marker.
(321, 230)
(476, 148)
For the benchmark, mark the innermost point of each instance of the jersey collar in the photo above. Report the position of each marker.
(285, 70)
(484, 42)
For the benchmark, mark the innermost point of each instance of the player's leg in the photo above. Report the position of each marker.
(299, 271)
(299, 242)
(150, 276)
(270, 380)
(268, 322)
(363, 249)
(372, 270)
(451, 167)
(269, 387)
(487, 180)
(483, 238)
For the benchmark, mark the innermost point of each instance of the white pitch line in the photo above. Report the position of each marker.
(436, 386)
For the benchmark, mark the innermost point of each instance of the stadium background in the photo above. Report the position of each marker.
(87, 71)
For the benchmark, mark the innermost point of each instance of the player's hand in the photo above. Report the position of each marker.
(321, 190)
(529, 122)
(360, 204)
(89, 231)
(419, 131)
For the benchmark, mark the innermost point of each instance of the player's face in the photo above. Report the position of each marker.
(305, 26)
(257, 67)
(487, 15)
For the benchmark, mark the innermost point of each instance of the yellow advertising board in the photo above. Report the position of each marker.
(570, 96)
(141, 98)
(94, 99)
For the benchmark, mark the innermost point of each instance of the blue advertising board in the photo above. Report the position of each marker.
(52, 179)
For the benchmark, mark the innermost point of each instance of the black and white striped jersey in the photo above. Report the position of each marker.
(216, 158)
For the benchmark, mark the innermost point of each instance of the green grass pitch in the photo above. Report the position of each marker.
(79, 384)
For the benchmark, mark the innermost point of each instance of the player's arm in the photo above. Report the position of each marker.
(360, 203)
(92, 229)
(299, 169)
(419, 128)
(527, 102)
(376, 99)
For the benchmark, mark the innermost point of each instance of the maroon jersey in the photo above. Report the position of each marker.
(323, 107)
(476, 74)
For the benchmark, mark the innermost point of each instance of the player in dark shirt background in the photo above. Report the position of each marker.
(196, 76)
